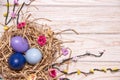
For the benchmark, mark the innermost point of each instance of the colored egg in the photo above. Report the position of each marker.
(33, 56)
(19, 44)
(16, 61)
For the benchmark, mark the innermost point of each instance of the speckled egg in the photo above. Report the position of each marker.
(19, 44)
(33, 56)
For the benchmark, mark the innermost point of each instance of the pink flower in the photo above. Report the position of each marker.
(52, 73)
(13, 15)
(42, 40)
(21, 25)
(16, 2)
(65, 51)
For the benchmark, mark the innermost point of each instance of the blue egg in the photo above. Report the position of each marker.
(33, 56)
(16, 61)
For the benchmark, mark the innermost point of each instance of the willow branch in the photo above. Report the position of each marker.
(79, 56)
(11, 17)
(19, 12)
(7, 12)
(88, 73)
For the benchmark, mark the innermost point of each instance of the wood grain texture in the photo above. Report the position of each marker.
(82, 19)
(72, 3)
(85, 20)
(94, 43)
(97, 21)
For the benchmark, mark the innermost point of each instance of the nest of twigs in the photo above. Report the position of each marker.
(31, 32)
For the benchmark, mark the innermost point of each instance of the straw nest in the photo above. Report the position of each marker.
(31, 32)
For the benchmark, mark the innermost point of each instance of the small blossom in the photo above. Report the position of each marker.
(115, 69)
(42, 40)
(104, 69)
(75, 59)
(5, 14)
(52, 73)
(65, 51)
(6, 28)
(92, 71)
(65, 71)
(78, 72)
(16, 2)
(21, 25)
(8, 4)
(13, 15)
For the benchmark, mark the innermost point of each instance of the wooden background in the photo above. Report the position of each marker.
(97, 21)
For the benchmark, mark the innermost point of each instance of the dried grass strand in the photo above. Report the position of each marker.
(31, 32)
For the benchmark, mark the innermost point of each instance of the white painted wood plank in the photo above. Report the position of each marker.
(84, 20)
(72, 2)
(93, 44)
(99, 41)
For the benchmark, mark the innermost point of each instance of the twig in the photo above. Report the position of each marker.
(29, 2)
(14, 7)
(13, 12)
(19, 12)
(85, 73)
(79, 56)
(88, 73)
(68, 30)
(7, 12)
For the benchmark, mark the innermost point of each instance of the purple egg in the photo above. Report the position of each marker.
(19, 44)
